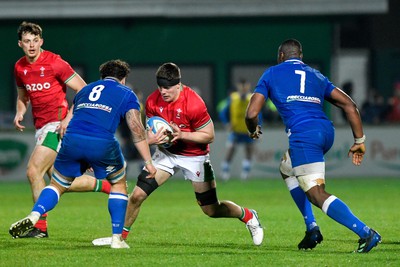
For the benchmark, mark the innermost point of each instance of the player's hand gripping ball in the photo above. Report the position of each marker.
(156, 123)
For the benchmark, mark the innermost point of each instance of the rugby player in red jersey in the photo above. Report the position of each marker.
(193, 131)
(42, 78)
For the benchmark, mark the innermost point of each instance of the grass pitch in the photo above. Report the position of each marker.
(172, 231)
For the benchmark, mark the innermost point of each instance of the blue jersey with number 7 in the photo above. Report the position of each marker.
(297, 90)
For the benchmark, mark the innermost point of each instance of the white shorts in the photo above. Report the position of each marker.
(47, 136)
(193, 167)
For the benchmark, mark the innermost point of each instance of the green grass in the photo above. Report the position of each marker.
(172, 231)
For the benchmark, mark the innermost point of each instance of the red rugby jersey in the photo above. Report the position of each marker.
(45, 82)
(189, 112)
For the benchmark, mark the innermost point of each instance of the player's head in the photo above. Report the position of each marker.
(243, 86)
(169, 84)
(29, 27)
(30, 39)
(290, 48)
(116, 69)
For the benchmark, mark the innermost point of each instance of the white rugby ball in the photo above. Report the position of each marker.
(156, 123)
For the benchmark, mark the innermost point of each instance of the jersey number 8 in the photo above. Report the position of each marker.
(96, 92)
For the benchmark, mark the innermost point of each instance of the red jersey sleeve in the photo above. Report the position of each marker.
(150, 105)
(62, 69)
(18, 80)
(197, 111)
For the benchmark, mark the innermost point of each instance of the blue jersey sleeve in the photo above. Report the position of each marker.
(263, 84)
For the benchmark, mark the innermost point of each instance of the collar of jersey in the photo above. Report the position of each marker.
(294, 60)
(109, 78)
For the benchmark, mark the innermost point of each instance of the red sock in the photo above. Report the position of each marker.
(246, 215)
(125, 232)
(42, 223)
(106, 187)
(102, 186)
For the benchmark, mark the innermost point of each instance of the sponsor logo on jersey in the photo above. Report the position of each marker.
(303, 98)
(95, 106)
(37, 86)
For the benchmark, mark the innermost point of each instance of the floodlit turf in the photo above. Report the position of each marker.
(172, 231)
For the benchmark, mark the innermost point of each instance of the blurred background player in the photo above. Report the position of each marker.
(90, 142)
(42, 78)
(193, 132)
(298, 92)
(232, 115)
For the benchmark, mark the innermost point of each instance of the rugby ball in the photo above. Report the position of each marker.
(156, 123)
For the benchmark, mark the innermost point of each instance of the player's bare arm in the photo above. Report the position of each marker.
(134, 121)
(343, 101)
(204, 135)
(253, 109)
(22, 106)
(76, 83)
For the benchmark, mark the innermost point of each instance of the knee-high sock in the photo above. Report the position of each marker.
(302, 202)
(47, 200)
(117, 203)
(340, 212)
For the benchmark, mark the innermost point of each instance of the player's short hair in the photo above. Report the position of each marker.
(291, 48)
(114, 68)
(29, 27)
(168, 74)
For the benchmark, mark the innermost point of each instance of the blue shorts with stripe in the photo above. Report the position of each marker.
(310, 140)
(78, 152)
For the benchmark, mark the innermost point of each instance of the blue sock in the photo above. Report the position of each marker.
(340, 212)
(47, 200)
(304, 206)
(117, 203)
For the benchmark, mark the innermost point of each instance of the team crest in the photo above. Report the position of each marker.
(178, 113)
(42, 71)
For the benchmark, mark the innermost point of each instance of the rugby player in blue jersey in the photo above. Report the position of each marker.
(298, 92)
(90, 142)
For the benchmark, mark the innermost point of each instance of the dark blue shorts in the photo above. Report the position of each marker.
(79, 152)
(309, 141)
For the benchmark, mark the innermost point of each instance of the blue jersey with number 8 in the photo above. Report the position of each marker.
(99, 108)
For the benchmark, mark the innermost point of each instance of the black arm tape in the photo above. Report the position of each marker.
(148, 185)
(207, 198)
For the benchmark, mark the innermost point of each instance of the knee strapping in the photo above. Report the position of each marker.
(148, 185)
(286, 165)
(207, 198)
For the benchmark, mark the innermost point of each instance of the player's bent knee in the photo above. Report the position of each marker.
(117, 176)
(148, 185)
(207, 198)
(61, 180)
